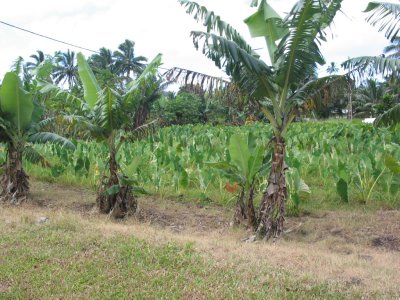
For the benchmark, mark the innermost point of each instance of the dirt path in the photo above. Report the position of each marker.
(357, 249)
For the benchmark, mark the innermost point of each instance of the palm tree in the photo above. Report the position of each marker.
(125, 60)
(150, 92)
(66, 70)
(366, 96)
(293, 46)
(104, 60)
(386, 16)
(105, 116)
(38, 58)
(20, 126)
(332, 68)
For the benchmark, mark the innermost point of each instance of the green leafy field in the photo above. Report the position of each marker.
(342, 163)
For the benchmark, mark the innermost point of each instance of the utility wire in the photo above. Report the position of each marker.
(47, 37)
(53, 39)
(56, 40)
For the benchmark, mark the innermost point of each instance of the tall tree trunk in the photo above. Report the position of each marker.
(119, 202)
(272, 209)
(14, 181)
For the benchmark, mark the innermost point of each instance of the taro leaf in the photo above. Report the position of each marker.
(392, 164)
(139, 190)
(114, 189)
(342, 190)
(295, 197)
(57, 170)
(239, 152)
(255, 163)
(395, 186)
(126, 181)
(184, 179)
(87, 165)
(79, 164)
(251, 141)
(295, 163)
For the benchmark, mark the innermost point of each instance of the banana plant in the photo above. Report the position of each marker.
(106, 117)
(247, 165)
(20, 127)
(293, 47)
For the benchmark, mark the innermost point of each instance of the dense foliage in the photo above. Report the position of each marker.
(333, 159)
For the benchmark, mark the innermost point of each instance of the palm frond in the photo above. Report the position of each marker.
(233, 59)
(367, 66)
(214, 23)
(33, 156)
(389, 118)
(298, 52)
(83, 123)
(50, 137)
(192, 78)
(386, 16)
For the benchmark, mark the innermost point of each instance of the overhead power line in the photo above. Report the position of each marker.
(55, 40)
(47, 37)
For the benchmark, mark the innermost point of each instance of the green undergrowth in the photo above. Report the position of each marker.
(343, 164)
(68, 258)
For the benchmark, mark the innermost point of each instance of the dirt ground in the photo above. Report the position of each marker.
(360, 249)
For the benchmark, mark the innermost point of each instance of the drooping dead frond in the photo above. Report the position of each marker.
(193, 78)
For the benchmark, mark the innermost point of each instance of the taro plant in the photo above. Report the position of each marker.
(297, 189)
(20, 128)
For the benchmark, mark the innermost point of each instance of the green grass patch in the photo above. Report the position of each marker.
(69, 259)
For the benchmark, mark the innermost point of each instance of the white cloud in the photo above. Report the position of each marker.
(156, 26)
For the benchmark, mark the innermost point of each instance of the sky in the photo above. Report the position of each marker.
(160, 26)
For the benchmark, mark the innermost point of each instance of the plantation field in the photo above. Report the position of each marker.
(341, 163)
(181, 243)
(57, 246)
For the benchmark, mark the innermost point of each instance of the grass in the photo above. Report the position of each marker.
(79, 254)
(71, 258)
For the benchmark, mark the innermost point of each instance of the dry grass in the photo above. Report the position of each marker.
(335, 247)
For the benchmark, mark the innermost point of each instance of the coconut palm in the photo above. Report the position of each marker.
(332, 68)
(103, 60)
(126, 63)
(293, 46)
(38, 58)
(66, 70)
(20, 127)
(386, 16)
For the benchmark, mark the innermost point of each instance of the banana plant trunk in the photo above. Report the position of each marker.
(114, 198)
(14, 182)
(272, 209)
(245, 212)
